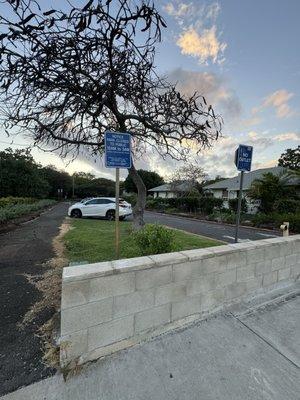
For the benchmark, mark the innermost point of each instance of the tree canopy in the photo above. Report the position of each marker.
(290, 159)
(68, 76)
(151, 179)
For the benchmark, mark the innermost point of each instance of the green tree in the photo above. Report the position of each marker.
(20, 175)
(269, 189)
(57, 180)
(151, 179)
(290, 159)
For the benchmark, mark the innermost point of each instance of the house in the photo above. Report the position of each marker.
(170, 190)
(229, 188)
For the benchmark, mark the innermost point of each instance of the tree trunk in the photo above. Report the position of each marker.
(138, 209)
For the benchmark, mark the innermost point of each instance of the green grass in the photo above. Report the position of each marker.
(93, 241)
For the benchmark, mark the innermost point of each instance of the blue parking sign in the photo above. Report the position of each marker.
(117, 150)
(243, 157)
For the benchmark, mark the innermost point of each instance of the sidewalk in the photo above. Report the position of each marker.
(244, 354)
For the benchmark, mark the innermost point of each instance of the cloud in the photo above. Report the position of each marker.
(288, 136)
(199, 37)
(212, 86)
(279, 101)
(204, 46)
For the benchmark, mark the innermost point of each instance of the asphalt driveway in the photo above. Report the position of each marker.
(223, 232)
(24, 250)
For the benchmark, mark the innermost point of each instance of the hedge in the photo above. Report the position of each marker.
(14, 211)
(205, 205)
(12, 201)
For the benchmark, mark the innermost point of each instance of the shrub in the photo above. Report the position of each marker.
(208, 204)
(130, 198)
(233, 205)
(277, 219)
(14, 211)
(11, 201)
(154, 239)
(287, 206)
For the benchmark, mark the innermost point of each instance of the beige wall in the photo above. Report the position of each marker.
(112, 305)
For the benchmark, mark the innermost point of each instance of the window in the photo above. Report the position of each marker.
(225, 193)
(91, 202)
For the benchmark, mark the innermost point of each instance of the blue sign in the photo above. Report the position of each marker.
(117, 150)
(243, 157)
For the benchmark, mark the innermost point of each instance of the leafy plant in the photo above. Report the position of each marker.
(154, 239)
(233, 205)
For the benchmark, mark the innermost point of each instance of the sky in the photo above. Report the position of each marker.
(244, 57)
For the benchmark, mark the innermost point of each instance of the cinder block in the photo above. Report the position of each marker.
(295, 271)
(284, 274)
(189, 306)
(73, 346)
(132, 264)
(153, 277)
(213, 299)
(202, 285)
(245, 273)
(75, 293)
(198, 254)
(187, 270)
(169, 293)
(236, 290)
(152, 318)
(278, 263)
(291, 260)
(285, 247)
(133, 303)
(214, 264)
(87, 271)
(225, 278)
(237, 259)
(110, 332)
(270, 278)
(169, 258)
(113, 285)
(272, 251)
(81, 317)
(256, 255)
(254, 283)
(263, 267)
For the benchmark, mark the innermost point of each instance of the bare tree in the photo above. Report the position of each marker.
(69, 75)
(187, 179)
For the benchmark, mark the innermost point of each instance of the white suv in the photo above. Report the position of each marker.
(100, 207)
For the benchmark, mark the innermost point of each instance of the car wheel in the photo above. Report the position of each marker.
(121, 218)
(76, 213)
(110, 215)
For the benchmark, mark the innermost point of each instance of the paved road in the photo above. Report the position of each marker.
(228, 357)
(23, 251)
(222, 232)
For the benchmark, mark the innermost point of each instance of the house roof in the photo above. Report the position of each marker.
(234, 183)
(168, 187)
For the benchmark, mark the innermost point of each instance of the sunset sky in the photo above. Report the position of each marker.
(244, 57)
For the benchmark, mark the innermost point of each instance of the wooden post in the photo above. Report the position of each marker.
(117, 227)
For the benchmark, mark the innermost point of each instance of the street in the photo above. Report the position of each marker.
(213, 230)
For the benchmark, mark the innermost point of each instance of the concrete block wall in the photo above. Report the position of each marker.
(113, 305)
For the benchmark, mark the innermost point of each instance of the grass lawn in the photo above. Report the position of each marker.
(93, 241)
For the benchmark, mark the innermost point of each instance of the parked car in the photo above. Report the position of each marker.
(100, 207)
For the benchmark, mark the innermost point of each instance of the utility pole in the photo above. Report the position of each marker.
(238, 214)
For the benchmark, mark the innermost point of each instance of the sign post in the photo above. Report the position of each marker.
(243, 160)
(117, 155)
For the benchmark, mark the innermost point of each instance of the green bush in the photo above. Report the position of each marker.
(154, 239)
(205, 205)
(11, 201)
(276, 219)
(233, 205)
(130, 198)
(287, 206)
(14, 211)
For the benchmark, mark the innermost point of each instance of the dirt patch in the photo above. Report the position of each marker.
(49, 285)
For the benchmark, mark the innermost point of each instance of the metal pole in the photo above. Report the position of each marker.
(117, 228)
(238, 214)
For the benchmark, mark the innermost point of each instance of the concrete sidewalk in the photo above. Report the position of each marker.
(244, 354)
